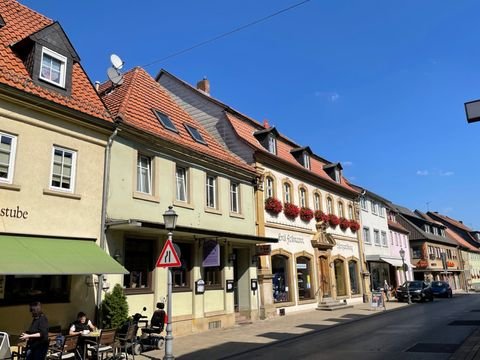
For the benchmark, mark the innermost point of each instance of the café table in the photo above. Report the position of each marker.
(90, 336)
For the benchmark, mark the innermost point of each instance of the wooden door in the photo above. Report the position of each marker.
(324, 277)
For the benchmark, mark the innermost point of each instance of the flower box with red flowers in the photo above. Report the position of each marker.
(333, 220)
(450, 264)
(321, 216)
(306, 214)
(290, 210)
(344, 224)
(273, 206)
(354, 225)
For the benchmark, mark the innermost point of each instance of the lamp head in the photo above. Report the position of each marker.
(170, 218)
(402, 253)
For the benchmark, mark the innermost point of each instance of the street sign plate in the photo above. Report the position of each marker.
(472, 109)
(168, 257)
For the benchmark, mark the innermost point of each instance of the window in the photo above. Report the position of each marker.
(195, 134)
(211, 191)
(272, 144)
(363, 203)
(376, 237)
(340, 277)
(316, 201)
(181, 181)
(374, 207)
(382, 211)
(7, 157)
(338, 175)
(144, 174)
(306, 160)
(19, 289)
(303, 197)
(234, 197)
(281, 278)
(165, 121)
(181, 275)
(287, 193)
(63, 169)
(329, 205)
(340, 210)
(304, 278)
(384, 238)
(350, 212)
(435, 230)
(427, 228)
(212, 275)
(416, 252)
(270, 187)
(391, 237)
(397, 240)
(53, 67)
(353, 272)
(366, 235)
(139, 262)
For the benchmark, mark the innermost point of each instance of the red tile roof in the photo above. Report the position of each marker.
(22, 22)
(246, 128)
(453, 222)
(453, 235)
(134, 101)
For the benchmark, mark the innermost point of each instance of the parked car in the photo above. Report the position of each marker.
(419, 291)
(442, 289)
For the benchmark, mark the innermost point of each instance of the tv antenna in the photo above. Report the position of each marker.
(113, 72)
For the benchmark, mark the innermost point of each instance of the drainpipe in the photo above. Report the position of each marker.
(103, 230)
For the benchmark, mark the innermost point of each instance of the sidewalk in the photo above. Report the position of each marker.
(217, 344)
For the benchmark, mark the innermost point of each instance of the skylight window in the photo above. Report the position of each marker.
(165, 121)
(195, 134)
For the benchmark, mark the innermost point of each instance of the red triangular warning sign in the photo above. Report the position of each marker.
(168, 257)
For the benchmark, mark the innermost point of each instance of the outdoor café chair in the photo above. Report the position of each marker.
(5, 351)
(66, 350)
(106, 343)
(128, 340)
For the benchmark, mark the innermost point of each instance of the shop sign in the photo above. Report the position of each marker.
(377, 299)
(15, 213)
(291, 239)
(2, 286)
(263, 250)
(341, 246)
(301, 266)
(211, 254)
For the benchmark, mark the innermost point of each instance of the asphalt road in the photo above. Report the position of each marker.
(422, 331)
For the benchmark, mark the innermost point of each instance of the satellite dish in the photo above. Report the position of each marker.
(115, 76)
(116, 61)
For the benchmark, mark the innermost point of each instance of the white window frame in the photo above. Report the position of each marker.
(183, 181)
(366, 235)
(383, 238)
(391, 237)
(211, 186)
(350, 212)
(11, 159)
(376, 237)
(382, 211)
(317, 201)
(303, 197)
(63, 66)
(287, 190)
(140, 187)
(341, 210)
(272, 144)
(72, 173)
(269, 183)
(329, 205)
(306, 160)
(234, 197)
(363, 204)
(373, 205)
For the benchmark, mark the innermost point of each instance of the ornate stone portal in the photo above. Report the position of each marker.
(323, 243)
(322, 240)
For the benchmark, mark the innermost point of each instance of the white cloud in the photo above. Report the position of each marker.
(422, 172)
(347, 163)
(331, 96)
(446, 173)
(447, 210)
(334, 97)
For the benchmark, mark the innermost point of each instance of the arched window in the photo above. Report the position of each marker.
(341, 211)
(287, 193)
(317, 201)
(329, 205)
(269, 187)
(303, 197)
(353, 273)
(340, 277)
(304, 278)
(350, 212)
(280, 278)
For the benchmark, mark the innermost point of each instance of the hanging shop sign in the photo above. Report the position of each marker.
(262, 250)
(211, 254)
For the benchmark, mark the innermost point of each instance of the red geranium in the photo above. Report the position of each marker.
(344, 223)
(290, 210)
(333, 220)
(354, 225)
(273, 205)
(306, 214)
(321, 216)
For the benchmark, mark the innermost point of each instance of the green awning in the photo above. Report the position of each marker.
(28, 255)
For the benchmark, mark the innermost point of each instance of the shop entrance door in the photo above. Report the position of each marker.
(241, 281)
(324, 277)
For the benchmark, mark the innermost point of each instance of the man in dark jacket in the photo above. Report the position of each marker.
(37, 334)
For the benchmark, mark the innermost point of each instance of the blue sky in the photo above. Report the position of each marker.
(377, 85)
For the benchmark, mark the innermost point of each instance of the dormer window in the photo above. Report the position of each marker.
(53, 67)
(272, 144)
(334, 171)
(306, 160)
(337, 175)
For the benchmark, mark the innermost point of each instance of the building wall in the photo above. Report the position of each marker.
(375, 222)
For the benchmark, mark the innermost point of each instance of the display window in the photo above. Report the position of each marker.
(304, 278)
(340, 277)
(280, 278)
(353, 273)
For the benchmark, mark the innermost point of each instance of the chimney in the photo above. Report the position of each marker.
(266, 125)
(460, 221)
(204, 85)
(97, 85)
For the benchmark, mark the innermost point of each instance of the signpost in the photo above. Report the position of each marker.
(168, 257)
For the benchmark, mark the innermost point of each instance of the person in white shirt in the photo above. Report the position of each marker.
(81, 325)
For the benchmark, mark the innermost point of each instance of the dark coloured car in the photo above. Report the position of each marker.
(441, 289)
(419, 291)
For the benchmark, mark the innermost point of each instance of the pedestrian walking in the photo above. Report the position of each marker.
(37, 334)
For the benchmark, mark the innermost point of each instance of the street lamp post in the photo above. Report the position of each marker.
(402, 255)
(170, 220)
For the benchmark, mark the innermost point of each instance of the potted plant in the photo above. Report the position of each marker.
(273, 206)
(320, 216)
(290, 210)
(306, 214)
(354, 225)
(344, 224)
(333, 220)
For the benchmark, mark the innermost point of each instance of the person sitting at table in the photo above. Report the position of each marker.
(81, 325)
(37, 334)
